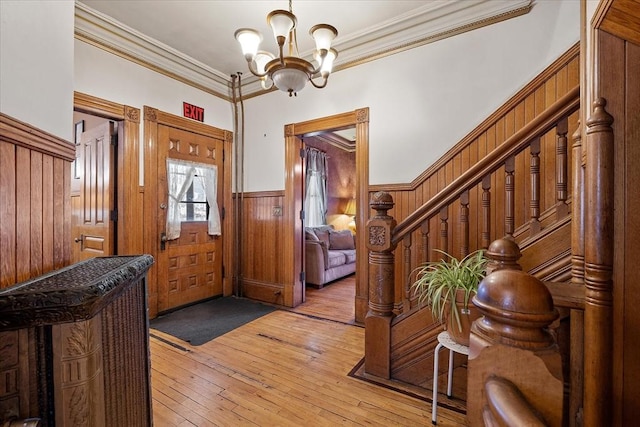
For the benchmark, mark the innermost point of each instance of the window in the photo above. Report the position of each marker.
(194, 206)
(192, 196)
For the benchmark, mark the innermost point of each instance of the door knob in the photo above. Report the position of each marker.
(163, 240)
(79, 239)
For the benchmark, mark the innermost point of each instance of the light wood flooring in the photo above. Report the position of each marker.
(287, 368)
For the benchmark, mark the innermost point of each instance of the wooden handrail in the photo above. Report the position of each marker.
(512, 146)
(507, 406)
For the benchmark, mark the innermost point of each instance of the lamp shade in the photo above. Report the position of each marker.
(290, 80)
(351, 207)
(249, 40)
(282, 22)
(261, 59)
(327, 65)
(323, 34)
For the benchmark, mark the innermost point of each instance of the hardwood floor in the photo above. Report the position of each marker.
(287, 368)
(335, 301)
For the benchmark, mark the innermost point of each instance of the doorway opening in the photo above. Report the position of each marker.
(295, 138)
(329, 205)
(94, 186)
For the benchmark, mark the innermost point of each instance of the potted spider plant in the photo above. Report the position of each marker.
(447, 286)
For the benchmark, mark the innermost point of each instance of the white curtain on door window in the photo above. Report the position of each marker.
(208, 174)
(180, 175)
(315, 200)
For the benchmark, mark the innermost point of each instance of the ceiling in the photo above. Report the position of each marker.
(193, 40)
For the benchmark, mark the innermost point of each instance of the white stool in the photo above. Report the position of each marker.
(444, 340)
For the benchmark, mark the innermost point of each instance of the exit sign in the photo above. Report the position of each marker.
(193, 112)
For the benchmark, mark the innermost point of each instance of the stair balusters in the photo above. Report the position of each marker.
(562, 208)
(535, 187)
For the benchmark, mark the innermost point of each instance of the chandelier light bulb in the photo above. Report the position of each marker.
(282, 23)
(323, 35)
(327, 65)
(249, 40)
(261, 59)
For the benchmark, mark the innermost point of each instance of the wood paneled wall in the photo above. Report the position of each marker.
(262, 267)
(616, 64)
(35, 203)
(542, 92)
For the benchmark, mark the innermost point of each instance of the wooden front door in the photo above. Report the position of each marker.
(189, 267)
(93, 202)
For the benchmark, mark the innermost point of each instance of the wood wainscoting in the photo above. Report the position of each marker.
(559, 79)
(35, 202)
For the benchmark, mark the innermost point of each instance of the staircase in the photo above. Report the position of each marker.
(519, 188)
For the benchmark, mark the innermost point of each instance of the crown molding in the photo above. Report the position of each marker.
(427, 24)
(108, 34)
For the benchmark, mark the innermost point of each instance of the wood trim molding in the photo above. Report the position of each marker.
(161, 117)
(100, 107)
(261, 194)
(129, 194)
(620, 18)
(292, 202)
(601, 13)
(25, 135)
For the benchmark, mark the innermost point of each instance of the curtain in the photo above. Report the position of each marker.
(315, 200)
(208, 174)
(180, 175)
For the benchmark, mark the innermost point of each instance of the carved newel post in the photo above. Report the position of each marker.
(377, 323)
(512, 345)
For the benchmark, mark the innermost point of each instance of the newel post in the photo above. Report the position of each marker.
(512, 341)
(598, 266)
(377, 333)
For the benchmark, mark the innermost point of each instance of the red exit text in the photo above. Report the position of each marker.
(193, 112)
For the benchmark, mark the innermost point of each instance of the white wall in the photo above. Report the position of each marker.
(421, 101)
(36, 64)
(110, 77)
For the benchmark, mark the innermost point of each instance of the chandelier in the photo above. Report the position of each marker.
(288, 73)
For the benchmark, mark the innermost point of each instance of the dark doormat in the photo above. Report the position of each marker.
(205, 321)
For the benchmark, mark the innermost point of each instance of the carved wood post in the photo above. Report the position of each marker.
(509, 197)
(535, 186)
(598, 271)
(444, 229)
(512, 341)
(561, 168)
(577, 219)
(464, 224)
(503, 254)
(486, 211)
(406, 243)
(424, 228)
(377, 335)
(577, 277)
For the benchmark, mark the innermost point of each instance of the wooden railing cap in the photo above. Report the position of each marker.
(517, 309)
(503, 254)
(381, 202)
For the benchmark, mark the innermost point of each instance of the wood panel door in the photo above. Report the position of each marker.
(189, 267)
(92, 226)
